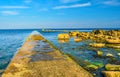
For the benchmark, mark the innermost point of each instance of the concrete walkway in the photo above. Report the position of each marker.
(38, 58)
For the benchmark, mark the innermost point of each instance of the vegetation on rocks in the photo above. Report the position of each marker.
(105, 46)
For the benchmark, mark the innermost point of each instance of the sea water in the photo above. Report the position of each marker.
(12, 40)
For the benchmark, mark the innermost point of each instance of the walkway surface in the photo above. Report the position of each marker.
(38, 58)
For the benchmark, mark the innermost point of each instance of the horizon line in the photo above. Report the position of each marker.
(58, 28)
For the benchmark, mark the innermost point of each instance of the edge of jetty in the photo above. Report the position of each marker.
(38, 58)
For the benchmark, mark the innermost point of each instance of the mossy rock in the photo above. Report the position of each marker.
(92, 67)
(97, 45)
(99, 64)
(111, 67)
(1, 71)
(113, 60)
(99, 53)
(118, 50)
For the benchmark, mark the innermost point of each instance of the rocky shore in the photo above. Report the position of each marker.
(38, 58)
(99, 39)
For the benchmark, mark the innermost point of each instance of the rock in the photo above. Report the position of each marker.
(113, 60)
(117, 47)
(113, 41)
(92, 67)
(1, 71)
(63, 36)
(112, 67)
(85, 35)
(118, 50)
(99, 53)
(99, 64)
(111, 73)
(98, 31)
(109, 55)
(109, 45)
(97, 45)
(94, 74)
(118, 54)
(74, 33)
(77, 39)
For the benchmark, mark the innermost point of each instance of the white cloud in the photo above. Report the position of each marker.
(27, 1)
(68, 1)
(73, 6)
(111, 2)
(9, 12)
(14, 7)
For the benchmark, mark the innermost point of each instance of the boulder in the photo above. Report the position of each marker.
(112, 67)
(1, 71)
(99, 53)
(109, 55)
(99, 64)
(117, 47)
(98, 31)
(113, 41)
(97, 45)
(63, 36)
(92, 67)
(118, 54)
(111, 73)
(74, 33)
(77, 39)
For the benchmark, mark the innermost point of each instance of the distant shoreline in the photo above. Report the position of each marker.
(67, 29)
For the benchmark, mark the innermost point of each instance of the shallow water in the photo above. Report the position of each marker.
(11, 40)
(86, 54)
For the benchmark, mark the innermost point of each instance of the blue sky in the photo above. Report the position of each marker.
(17, 14)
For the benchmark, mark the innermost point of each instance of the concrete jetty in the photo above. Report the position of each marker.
(38, 58)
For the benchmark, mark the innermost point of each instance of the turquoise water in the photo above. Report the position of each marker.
(86, 54)
(11, 40)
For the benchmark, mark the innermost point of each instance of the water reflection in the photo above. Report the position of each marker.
(77, 39)
(63, 40)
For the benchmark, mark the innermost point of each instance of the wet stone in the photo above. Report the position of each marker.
(41, 56)
(1, 71)
(41, 46)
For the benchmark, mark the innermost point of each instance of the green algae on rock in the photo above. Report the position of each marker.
(112, 67)
(100, 53)
(97, 45)
(94, 65)
(91, 67)
(29, 62)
